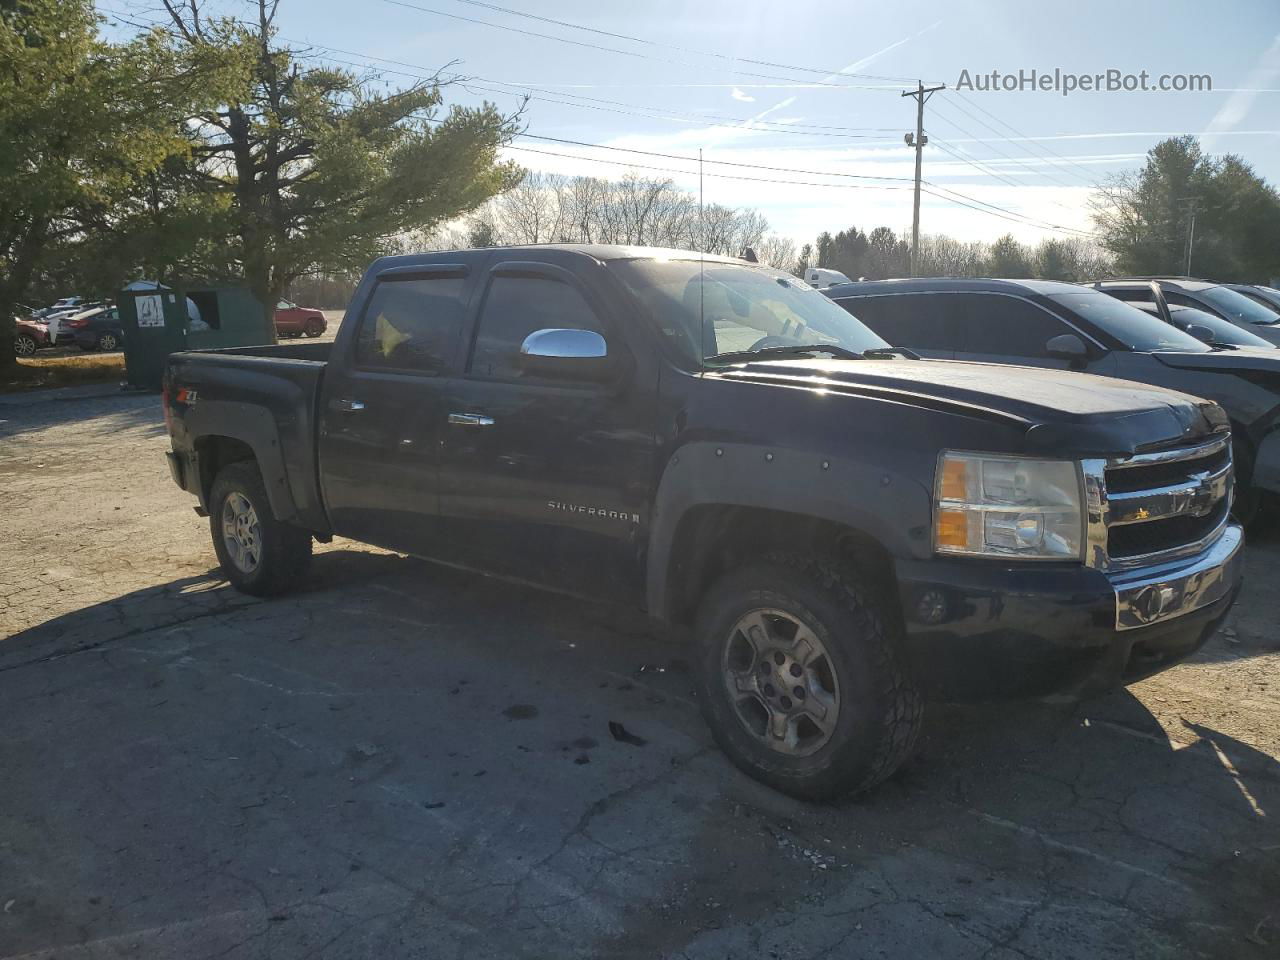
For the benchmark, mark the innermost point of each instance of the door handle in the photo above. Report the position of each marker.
(470, 420)
(343, 405)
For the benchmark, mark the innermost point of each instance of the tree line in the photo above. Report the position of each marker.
(881, 254)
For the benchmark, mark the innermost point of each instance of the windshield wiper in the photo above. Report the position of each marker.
(799, 350)
(884, 353)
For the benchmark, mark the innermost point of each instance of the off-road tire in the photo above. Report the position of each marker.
(285, 549)
(881, 711)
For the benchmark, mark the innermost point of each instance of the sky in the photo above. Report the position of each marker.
(816, 88)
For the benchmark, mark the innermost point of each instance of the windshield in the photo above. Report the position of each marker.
(1224, 331)
(713, 309)
(1129, 325)
(1238, 307)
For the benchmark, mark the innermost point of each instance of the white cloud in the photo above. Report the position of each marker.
(739, 95)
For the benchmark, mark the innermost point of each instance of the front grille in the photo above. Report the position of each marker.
(1157, 536)
(1168, 501)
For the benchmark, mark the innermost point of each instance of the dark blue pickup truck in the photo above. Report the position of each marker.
(842, 529)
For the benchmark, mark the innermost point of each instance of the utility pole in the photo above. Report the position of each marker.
(1191, 230)
(918, 140)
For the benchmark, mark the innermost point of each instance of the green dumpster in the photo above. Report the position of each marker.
(160, 320)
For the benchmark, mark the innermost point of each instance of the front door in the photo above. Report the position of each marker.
(383, 405)
(998, 328)
(546, 479)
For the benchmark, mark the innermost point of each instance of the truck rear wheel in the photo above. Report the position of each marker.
(259, 554)
(801, 681)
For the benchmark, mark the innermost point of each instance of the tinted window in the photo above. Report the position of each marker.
(411, 324)
(516, 307)
(1224, 331)
(1007, 326)
(1237, 307)
(1128, 325)
(918, 321)
(1131, 295)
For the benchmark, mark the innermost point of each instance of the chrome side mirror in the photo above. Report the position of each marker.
(565, 354)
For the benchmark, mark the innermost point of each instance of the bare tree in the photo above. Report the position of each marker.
(778, 252)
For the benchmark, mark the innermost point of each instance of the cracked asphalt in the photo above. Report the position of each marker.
(407, 761)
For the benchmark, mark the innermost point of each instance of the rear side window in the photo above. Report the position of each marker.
(518, 306)
(1006, 326)
(916, 321)
(411, 325)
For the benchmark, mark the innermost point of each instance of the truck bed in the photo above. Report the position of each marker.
(270, 394)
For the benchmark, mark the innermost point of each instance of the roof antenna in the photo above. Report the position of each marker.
(702, 269)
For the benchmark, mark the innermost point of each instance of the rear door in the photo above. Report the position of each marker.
(383, 403)
(547, 479)
(922, 322)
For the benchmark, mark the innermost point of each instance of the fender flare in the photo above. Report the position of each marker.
(253, 425)
(1266, 463)
(890, 507)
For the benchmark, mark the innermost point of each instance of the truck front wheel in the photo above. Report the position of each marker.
(801, 681)
(259, 554)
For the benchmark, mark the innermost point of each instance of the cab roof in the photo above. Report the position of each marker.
(951, 285)
(597, 251)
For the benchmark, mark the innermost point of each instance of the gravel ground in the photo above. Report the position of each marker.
(406, 761)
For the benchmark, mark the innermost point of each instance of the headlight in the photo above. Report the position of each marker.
(1008, 507)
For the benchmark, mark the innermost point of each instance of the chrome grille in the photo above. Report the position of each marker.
(1159, 505)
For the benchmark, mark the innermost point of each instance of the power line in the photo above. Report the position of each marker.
(597, 103)
(671, 46)
(978, 165)
(725, 163)
(1021, 217)
(625, 53)
(945, 194)
(694, 173)
(1020, 162)
(932, 189)
(1008, 214)
(1004, 123)
(1033, 156)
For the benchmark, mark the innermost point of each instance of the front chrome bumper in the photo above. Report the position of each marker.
(1155, 594)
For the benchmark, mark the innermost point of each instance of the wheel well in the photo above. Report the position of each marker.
(713, 539)
(213, 454)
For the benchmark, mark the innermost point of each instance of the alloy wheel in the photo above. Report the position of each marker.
(241, 532)
(781, 682)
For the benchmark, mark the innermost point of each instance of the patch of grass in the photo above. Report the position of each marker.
(36, 373)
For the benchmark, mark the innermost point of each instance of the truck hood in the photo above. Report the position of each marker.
(1064, 413)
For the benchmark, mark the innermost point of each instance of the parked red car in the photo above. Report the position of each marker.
(294, 321)
(29, 336)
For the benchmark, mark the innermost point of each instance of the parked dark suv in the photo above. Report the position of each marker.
(1065, 326)
(1215, 298)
